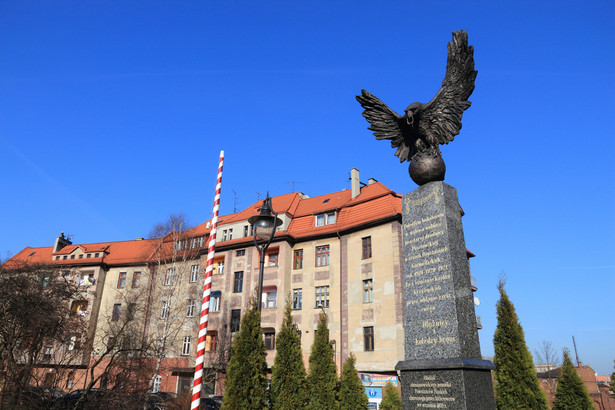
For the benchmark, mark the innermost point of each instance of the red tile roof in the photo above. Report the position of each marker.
(375, 202)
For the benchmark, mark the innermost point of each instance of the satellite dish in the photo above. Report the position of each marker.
(476, 301)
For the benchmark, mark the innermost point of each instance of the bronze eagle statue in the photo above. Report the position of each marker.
(417, 134)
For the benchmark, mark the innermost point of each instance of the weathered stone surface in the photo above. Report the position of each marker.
(443, 366)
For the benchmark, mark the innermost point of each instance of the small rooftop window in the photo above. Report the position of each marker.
(32, 254)
(325, 201)
(327, 218)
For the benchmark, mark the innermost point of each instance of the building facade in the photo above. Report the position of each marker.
(340, 253)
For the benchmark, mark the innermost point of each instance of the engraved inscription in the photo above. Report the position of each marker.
(428, 275)
(430, 393)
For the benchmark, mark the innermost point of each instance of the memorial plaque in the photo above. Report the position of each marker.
(443, 366)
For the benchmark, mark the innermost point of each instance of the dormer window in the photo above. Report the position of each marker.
(327, 218)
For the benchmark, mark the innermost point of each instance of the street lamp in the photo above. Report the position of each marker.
(263, 229)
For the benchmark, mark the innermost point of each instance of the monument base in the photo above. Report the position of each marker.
(451, 383)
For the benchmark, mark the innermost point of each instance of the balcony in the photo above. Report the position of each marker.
(479, 324)
(473, 282)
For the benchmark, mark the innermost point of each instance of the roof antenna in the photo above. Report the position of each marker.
(575, 351)
(295, 182)
(234, 201)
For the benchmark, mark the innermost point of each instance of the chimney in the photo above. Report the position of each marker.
(354, 182)
(61, 241)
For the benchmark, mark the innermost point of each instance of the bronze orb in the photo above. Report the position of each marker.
(427, 168)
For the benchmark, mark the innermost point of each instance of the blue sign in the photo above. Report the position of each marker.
(374, 392)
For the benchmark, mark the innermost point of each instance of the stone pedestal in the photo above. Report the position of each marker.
(443, 367)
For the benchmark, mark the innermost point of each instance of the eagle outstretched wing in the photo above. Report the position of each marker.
(441, 117)
(385, 123)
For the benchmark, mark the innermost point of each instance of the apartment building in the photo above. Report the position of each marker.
(340, 253)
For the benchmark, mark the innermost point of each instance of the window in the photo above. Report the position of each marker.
(298, 259)
(170, 277)
(72, 256)
(325, 219)
(241, 252)
(270, 298)
(269, 337)
(72, 342)
(164, 312)
(48, 352)
(86, 279)
(89, 255)
(218, 266)
(238, 284)
(322, 296)
(190, 308)
(157, 382)
(230, 234)
(70, 380)
(44, 280)
(194, 273)
(214, 301)
(79, 307)
(81, 256)
(132, 308)
(136, 279)
(96, 255)
(297, 299)
(117, 309)
(245, 231)
(368, 291)
(322, 255)
(273, 259)
(64, 257)
(121, 281)
(367, 247)
(235, 320)
(224, 235)
(211, 341)
(368, 338)
(187, 345)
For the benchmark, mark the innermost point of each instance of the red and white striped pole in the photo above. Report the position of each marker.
(200, 349)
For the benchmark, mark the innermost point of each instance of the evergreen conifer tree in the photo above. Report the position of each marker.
(517, 385)
(288, 388)
(390, 398)
(322, 377)
(246, 382)
(571, 393)
(352, 393)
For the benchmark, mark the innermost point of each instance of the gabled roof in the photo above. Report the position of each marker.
(374, 203)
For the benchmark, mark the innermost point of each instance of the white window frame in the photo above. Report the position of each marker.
(164, 312)
(297, 299)
(190, 308)
(270, 299)
(327, 218)
(186, 345)
(170, 277)
(368, 290)
(157, 383)
(214, 301)
(194, 273)
(321, 294)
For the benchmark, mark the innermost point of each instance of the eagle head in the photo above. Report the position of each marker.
(411, 111)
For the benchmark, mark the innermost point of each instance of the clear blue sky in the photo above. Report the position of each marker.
(112, 116)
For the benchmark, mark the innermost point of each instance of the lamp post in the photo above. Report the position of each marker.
(263, 229)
